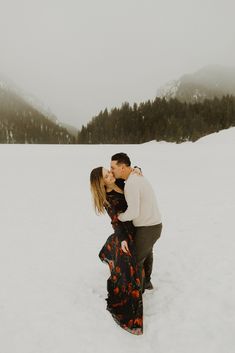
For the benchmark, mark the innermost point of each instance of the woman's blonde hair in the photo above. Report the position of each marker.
(98, 190)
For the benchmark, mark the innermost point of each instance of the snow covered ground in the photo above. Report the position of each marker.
(53, 285)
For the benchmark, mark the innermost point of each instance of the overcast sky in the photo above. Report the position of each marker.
(78, 57)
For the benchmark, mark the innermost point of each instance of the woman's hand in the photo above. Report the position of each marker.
(124, 247)
(136, 170)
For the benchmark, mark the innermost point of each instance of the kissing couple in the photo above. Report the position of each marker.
(129, 199)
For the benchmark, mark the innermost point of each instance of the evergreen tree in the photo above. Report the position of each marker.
(172, 121)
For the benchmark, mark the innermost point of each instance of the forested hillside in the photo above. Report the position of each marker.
(172, 121)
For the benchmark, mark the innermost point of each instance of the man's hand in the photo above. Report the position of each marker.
(137, 171)
(124, 247)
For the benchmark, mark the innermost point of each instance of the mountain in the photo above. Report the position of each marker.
(209, 82)
(10, 86)
(21, 122)
(70, 128)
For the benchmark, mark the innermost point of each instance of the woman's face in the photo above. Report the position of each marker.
(108, 177)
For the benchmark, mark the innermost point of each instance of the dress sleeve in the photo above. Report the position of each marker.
(132, 195)
(120, 183)
(120, 228)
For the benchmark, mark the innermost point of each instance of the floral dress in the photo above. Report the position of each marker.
(124, 300)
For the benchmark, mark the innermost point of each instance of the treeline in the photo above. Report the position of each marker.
(21, 123)
(31, 127)
(172, 121)
(160, 119)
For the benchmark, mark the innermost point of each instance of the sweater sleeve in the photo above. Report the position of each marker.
(132, 195)
(120, 229)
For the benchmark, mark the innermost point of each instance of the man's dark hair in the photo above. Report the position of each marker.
(121, 158)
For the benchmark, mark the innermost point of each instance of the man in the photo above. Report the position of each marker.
(142, 210)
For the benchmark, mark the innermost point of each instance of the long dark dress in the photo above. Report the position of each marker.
(124, 300)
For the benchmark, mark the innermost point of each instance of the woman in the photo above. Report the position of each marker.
(124, 284)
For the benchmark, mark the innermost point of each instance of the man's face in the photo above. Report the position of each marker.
(117, 169)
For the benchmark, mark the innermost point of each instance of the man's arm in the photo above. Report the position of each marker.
(132, 195)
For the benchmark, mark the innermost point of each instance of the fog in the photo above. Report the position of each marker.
(78, 57)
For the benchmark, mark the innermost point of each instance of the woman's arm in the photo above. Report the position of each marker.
(120, 228)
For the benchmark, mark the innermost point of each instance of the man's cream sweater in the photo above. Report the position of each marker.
(142, 204)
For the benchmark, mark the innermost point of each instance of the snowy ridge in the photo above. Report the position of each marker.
(8, 85)
(40, 106)
(169, 90)
(208, 82)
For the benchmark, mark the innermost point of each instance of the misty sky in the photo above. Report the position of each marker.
(78, 57)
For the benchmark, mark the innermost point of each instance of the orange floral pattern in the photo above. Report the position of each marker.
(124, 299)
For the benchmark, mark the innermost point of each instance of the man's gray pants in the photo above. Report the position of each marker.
(144, 239)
